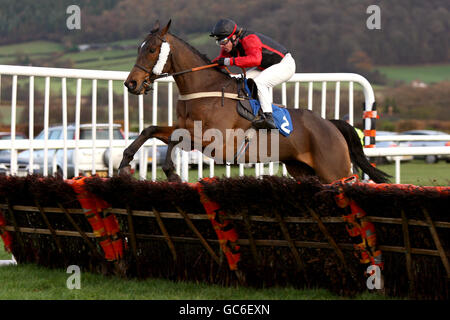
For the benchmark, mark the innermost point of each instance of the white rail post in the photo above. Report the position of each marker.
(142, 162)
(64, 120)
(350, 102)
(94, 122)
(397, 170)
(323, 112)
(310, 95)
(13, 160)
(77, 127)
(336, 100)
(46, 116)
(154, 122)
(297, 95)
(30, 124)
(110, 127)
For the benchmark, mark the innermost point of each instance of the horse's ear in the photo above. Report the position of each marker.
(166, 28)
(155, 27)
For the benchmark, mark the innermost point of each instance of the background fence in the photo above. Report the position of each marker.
(39, 80)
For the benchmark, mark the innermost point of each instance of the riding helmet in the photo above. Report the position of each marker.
(224, 28)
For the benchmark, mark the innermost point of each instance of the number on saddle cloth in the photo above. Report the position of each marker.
(280, 114)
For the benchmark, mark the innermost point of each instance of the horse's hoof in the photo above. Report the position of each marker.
(174, 178)
(125, 171)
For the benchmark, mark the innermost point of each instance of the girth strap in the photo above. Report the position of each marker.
(216, 94)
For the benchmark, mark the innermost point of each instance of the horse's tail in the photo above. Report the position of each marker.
(357, 154)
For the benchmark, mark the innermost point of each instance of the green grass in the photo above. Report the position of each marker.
(419, 173)
(28, 281)
(3, 254)
(98, 54)
(31, 48)
(425, 73)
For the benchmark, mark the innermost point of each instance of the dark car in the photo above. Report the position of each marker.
(428, 158)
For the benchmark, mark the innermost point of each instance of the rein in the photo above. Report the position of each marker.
(147, 84)
(166, 74)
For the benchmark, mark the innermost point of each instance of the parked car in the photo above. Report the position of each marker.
(390, 144)
(428, 158)
(7, 136)
(84, 157)
(161, 151)
(22, 166)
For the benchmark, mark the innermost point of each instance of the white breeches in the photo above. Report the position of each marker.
(270, 77)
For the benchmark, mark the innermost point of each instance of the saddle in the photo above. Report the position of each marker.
(247, 89)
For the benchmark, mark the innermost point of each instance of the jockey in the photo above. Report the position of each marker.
(271, 63)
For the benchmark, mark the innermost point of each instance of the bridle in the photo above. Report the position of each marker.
(147, 83)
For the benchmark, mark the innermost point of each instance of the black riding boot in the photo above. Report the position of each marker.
(264, 122)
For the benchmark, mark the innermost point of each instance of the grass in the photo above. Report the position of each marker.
(425, 73)
(31, 48)
(30, 281)
(419, 173)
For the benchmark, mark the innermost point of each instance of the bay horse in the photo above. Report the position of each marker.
(316, 146)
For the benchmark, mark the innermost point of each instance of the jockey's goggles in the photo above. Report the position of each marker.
(222, 42)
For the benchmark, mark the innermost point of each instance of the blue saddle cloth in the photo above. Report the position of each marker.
(281, 116)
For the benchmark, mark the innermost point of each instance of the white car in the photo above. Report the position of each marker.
(84, 157)
(390, 144)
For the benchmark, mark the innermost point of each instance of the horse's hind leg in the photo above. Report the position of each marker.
(161, 133)
(299, 170)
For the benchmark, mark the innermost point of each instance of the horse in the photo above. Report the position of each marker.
(316, 146)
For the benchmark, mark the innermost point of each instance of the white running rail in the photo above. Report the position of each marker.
(301, 82)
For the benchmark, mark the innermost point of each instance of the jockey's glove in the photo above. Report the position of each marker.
(223, 61)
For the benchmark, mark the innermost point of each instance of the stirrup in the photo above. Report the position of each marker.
(264, 122)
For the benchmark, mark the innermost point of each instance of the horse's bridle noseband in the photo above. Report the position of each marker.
(147, 83)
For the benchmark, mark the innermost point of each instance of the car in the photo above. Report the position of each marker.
(428, 158)
(161, 151)
(22, 166)
(390, 144)
(7, 136)
(84, 157)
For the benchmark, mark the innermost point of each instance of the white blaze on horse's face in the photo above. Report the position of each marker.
(162, 58)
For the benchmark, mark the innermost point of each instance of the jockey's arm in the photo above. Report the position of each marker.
(222, 54)
(253, 49)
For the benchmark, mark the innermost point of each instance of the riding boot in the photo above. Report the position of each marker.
(264, 122)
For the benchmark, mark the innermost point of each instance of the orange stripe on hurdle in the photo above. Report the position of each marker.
(371, 115)
(369, 146)
(370, 133)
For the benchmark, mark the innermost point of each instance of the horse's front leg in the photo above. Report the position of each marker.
(161, 133)
(168, 166)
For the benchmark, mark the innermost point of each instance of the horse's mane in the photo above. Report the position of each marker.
(201, 55)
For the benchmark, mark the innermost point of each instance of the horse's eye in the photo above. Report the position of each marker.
(152, 50)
